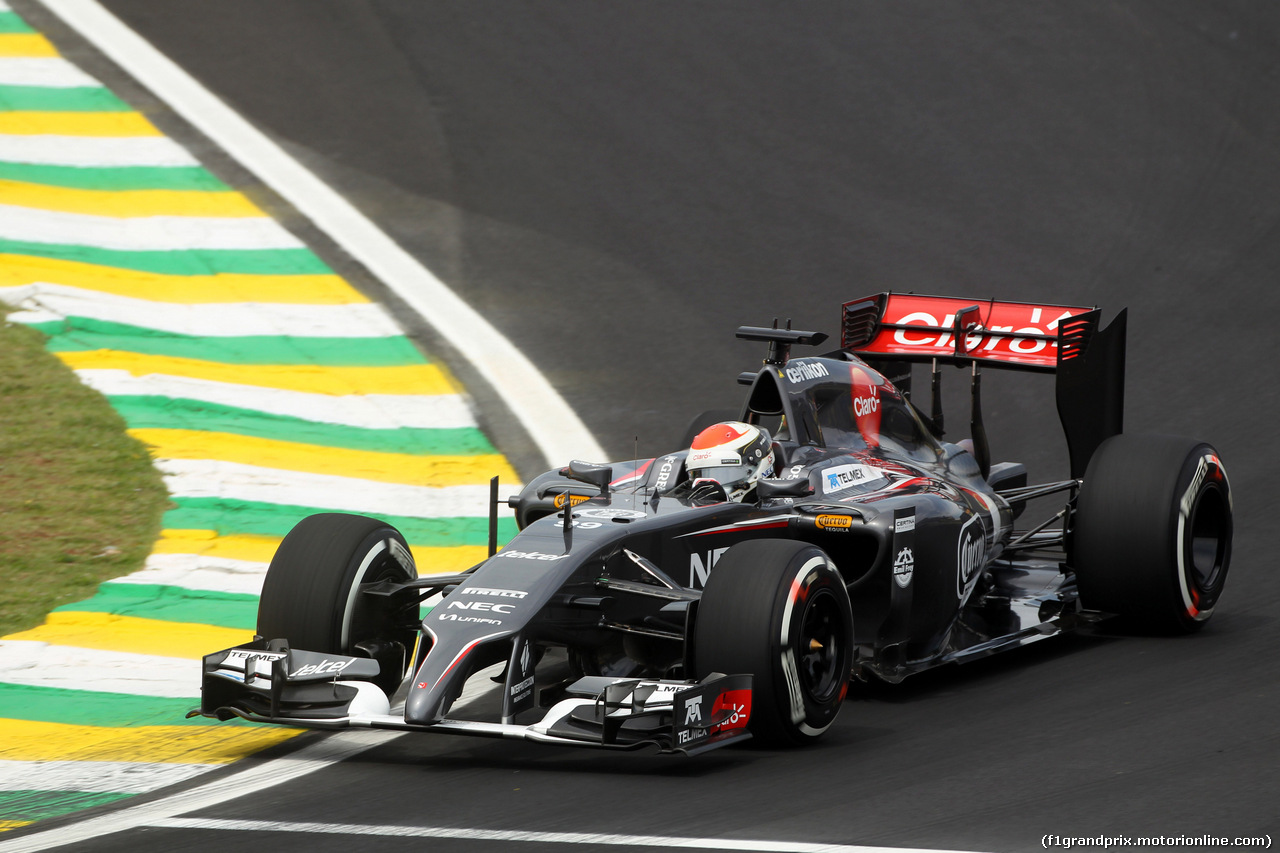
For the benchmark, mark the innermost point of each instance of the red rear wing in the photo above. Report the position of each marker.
(920, 328)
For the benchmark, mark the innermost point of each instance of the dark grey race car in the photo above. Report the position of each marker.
(637, 607)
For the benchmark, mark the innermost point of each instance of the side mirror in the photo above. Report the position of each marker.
(585, 472)
(783, 489)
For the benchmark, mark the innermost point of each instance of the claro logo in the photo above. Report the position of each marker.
(970, 551)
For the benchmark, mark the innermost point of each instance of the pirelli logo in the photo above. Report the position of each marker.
(834, 522)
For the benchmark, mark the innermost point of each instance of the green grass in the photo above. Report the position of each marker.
(80, 502)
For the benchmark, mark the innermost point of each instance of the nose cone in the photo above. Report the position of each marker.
(442, 676)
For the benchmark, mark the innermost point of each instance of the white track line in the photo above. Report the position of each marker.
(554, 427)
(514, 835)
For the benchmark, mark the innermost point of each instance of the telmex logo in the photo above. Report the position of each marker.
(834, 521)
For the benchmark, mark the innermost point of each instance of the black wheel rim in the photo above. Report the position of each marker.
(1207, 540)
(822, 647)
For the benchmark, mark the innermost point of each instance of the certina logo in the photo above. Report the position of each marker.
(802, 371)
(969, 554)
(495, 593)
(529, 555)
(845, 476)
(325, 667)
(665, 471)
(486, 606)
(904, 566)
(904, 525)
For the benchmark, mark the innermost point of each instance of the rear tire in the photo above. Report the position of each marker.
(311, 595)
(1152, 532)
(778, 609)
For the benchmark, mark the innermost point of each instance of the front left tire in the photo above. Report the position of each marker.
(312, 596)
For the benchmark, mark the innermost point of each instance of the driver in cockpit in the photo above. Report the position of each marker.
(725, 461)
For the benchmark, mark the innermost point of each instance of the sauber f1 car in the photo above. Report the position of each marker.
(663, 603)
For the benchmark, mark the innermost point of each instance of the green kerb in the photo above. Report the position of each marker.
(168, 413)
(185, 262)
(230, 517)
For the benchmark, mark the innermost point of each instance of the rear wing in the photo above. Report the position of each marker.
(911, 327)
(1062, 339)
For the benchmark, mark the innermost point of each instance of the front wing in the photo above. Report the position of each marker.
(267, 682)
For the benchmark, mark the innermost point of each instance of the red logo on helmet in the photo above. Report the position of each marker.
(866, 405)
(714, 436)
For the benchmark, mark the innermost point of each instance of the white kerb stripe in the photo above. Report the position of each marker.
(213, 478)
(73, 668)
(42, 303)
(106, 777)
(553, 425)
(50, 72)
(92, 151)
(199, 572)
(372, 411)
(143, 233)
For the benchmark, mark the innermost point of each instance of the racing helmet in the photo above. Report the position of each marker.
(733, 454)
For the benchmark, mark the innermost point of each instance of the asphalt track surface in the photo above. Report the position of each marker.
(618, 186)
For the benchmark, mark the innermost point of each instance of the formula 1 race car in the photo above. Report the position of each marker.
(734, 586)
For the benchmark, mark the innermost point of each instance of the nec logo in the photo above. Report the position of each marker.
(700, 569)
(486, 606)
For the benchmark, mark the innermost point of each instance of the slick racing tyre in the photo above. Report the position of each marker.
(1152, 532)
(311, 595)
(778, 609)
